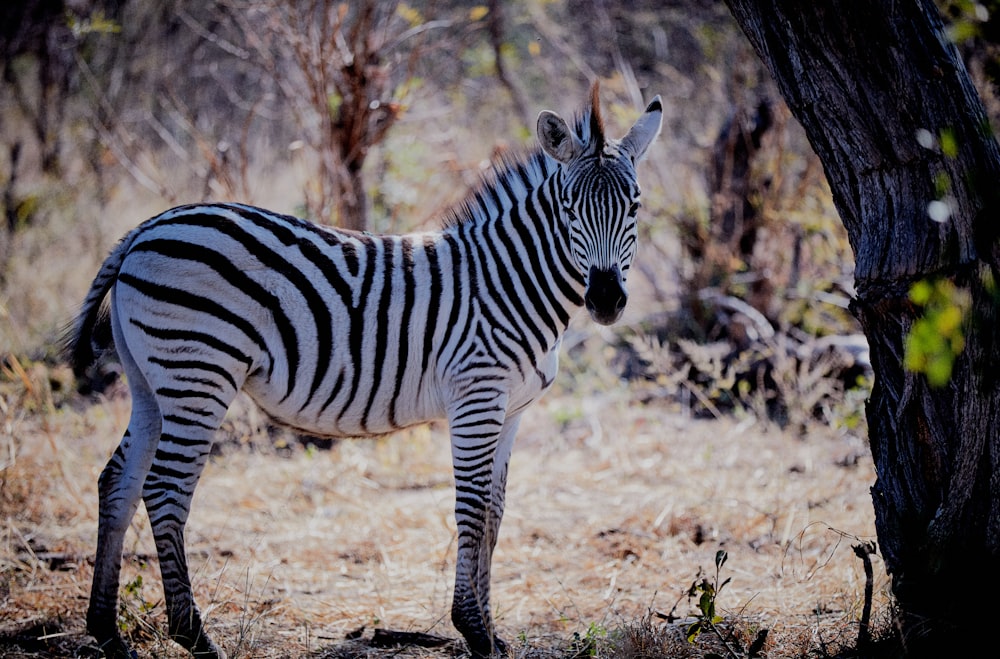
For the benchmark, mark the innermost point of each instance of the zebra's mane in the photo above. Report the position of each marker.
(510, 175)
(522, 172)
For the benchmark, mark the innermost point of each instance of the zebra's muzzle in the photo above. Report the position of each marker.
(606, 295)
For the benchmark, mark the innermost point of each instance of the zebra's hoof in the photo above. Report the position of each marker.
(498, 648)
(205, 648)
(116, 648)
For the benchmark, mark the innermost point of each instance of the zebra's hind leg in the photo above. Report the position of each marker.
(120, 487)
(184, 448)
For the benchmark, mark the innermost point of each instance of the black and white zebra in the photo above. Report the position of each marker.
(350, 334)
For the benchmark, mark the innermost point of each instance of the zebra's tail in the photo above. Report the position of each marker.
(89, 336)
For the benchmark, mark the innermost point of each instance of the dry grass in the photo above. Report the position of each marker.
(614, 509)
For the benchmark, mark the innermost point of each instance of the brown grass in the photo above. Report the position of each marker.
(614, 509)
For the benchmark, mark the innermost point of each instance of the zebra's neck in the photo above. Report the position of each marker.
(514, 221)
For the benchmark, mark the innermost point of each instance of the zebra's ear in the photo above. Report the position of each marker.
(644, 131)
(556, 138)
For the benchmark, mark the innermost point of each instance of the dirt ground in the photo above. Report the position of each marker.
(614, 509)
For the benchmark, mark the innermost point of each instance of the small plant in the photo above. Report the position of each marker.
(707, 594)
(585, 645)
(708, 620)
(134, 611)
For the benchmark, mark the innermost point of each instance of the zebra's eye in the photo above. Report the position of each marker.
(634, 208)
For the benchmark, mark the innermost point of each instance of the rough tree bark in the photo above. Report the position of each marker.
(865, 79)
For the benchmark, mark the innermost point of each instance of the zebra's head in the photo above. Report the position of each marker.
(599, 198)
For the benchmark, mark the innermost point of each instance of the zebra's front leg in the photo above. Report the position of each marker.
(481, 452)
(175, 471)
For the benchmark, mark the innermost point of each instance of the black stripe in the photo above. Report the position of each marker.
(168, 392)
(513, 315)
(357, 314)
(472, 469)
(181, 571)
(351, 259)
(333, 393)
(181, 441)
(433, 306)
(457, 281)
(153, 505)
(197, 411)
(483, 290)
(162, 471)
(495, 194)
(497, 333)
(403, 352)
(163, 455)
(384, 303)
(182, 421)
(318, 307)
(194, 365)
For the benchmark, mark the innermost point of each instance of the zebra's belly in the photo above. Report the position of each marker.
(359, 414)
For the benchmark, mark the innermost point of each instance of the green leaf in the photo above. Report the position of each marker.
(938, 370)
(920, 292)
(961, 31)
(949, 143)
(942, 184)
(948, 321)
(937, 336)
(707, 604)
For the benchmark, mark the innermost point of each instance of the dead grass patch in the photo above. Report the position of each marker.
(614, 509)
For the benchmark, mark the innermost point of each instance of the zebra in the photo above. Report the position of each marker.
(344, 334)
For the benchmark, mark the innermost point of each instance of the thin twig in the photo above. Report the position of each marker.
(864, 551)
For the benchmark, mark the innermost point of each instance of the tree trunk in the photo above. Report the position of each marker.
(352, 198)
(892, 114)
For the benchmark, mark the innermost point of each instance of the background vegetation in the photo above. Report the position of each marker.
(725, 410)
